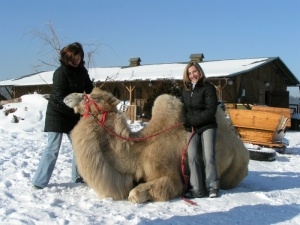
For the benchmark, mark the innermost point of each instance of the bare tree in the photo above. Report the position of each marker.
(51, 46)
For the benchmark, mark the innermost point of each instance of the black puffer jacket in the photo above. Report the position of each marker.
(200, 106)
(66, 79)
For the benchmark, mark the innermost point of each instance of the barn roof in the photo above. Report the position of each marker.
(220, 68)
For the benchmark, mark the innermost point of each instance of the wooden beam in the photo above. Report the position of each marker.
(130, 89)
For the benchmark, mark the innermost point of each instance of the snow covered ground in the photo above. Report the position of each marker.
(268, 195)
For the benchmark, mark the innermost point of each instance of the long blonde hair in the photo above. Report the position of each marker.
(186, 79)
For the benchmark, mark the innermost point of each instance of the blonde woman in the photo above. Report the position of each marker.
(200, 103)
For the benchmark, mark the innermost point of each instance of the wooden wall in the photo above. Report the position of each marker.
(18, 91)
(250, 88)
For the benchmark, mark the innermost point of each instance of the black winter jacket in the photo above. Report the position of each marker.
(200, 106)
(66, 79)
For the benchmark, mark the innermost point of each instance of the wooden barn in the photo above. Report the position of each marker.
(239, 82)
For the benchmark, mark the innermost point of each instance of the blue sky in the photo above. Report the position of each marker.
(157, 31)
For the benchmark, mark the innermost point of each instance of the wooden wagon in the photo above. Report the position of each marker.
(262, 125)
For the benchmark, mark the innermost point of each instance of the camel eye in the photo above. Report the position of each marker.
(96, 98)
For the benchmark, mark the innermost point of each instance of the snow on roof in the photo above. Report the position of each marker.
(220, 68)
(231, 67)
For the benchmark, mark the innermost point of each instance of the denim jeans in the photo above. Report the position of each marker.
(202, 163)
(48, 161)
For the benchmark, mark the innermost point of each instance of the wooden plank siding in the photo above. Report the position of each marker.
(18, 91)
(256, 92)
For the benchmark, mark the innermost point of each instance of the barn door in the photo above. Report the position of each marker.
(277, 99)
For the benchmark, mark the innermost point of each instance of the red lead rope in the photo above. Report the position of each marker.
(186, 177)
(136, 139)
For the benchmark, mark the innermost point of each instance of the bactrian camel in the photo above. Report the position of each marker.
(145, 165)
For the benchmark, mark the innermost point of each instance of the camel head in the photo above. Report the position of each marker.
(97, 99)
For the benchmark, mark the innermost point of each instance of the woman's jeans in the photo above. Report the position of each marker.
(48, 161)
(202, 163)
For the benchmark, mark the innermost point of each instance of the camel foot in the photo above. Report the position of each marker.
(138, 197)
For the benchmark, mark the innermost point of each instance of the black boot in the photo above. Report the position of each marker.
(194, 193)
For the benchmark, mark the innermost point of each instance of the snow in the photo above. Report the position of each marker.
(268, 195)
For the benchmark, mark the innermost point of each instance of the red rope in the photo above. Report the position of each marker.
(186, 177)
(88, 102)
(136, 139)
(87, 106)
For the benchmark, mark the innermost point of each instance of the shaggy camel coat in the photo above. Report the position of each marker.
(144, 169)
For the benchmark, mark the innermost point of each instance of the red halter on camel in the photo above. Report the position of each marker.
(89, 102)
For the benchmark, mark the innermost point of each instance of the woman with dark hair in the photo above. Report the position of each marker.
(70, 77)
(200, 103)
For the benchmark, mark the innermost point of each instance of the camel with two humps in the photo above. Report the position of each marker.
(145, 165)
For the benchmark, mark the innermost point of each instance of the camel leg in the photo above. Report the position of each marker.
(161, 189)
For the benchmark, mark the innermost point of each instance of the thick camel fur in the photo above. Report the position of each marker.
(140, 166)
